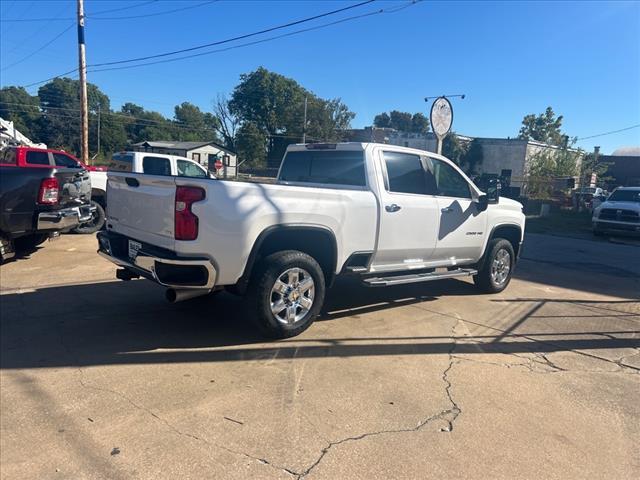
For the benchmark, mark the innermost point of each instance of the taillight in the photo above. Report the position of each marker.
(49, 191)
(186, 223)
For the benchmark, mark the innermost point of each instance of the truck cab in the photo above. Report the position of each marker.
(157, 164)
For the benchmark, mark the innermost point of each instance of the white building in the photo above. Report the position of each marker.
(205, 153)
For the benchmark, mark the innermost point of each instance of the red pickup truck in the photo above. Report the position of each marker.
(32, 157)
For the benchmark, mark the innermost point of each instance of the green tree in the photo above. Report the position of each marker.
(472, 159)
(382, 120)
(192, 124)
(548, 164)
(402, 121)
(251, 145)
(455, 149)
(21, 108)
(274, 105)
(419, 123)
(546, 128)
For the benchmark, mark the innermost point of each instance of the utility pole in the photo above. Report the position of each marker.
(84, 109)
(304, 125)
(99, 129)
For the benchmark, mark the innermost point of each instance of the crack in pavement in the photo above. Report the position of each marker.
(450, 415)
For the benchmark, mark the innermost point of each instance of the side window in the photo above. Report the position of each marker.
(8, 156)
(63, 160)
(35, 157)
(406, 174)
(156, 166)
(189, 169)
(448, 181)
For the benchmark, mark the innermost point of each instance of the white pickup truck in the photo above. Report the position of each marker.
(390, 215)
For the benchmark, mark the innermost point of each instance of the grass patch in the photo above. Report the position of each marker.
(563, 222)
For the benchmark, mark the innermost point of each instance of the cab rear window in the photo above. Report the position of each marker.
(121, 162)
(37, 158)
(333, 167)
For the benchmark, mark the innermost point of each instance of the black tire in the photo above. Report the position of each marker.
(260, 293)
(95, 224)
(489, 280)
(30, 242)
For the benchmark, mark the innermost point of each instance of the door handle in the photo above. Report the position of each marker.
(132, 182)
(392, 208)
(446, 210)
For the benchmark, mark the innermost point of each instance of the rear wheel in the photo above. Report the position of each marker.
(96, 223)
(286, 293)
(497, 266)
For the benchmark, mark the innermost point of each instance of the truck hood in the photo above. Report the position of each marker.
(635, 206)
(508, 204)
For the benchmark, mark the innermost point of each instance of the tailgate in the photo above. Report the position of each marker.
(74, 186)
(142, 207)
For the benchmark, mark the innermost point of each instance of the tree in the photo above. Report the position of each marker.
(252, 145)
(419, 123)
(548, 164)
(274, 105)
(473, 157)
(226, 122)
(382, 120)
(454, 149)
(192, 124)
(17, 106)
(402, 121)
(545, 128)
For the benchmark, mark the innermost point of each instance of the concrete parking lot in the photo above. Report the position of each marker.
(103, 379)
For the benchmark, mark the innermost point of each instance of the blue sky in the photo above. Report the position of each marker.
(509, 58)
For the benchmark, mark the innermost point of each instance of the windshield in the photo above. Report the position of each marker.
(625, 196)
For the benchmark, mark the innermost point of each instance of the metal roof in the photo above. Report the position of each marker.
(180, 145)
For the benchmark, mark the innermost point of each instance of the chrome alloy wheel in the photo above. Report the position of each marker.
(501, 266)
(292, 295)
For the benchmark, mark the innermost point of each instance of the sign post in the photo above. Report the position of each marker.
(441, 119)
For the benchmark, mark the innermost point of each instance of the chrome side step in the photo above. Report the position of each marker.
(418, 277)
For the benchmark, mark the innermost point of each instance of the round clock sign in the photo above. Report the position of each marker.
(441, 117)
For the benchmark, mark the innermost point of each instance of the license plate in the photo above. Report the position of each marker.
(134, 247)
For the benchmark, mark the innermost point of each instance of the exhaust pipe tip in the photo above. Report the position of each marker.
(178, 295)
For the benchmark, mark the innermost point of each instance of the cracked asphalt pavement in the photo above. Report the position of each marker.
(103, 379)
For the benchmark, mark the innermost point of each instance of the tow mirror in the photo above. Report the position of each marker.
(493, 190)
(482, 202)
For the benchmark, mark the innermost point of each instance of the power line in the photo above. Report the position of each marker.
(255, 42)
(94, 17)
(166, 12)
(142, 4)
(39, 49)
(211, 44)
(610, 133)
(233, 39)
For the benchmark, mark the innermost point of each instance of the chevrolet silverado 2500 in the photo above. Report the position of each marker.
(390, 215)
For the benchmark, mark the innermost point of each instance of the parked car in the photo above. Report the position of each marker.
(389, 215)
(157, 164)
(619, 213)
(32, 157)
(38, 202)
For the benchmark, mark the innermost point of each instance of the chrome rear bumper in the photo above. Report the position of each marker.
(65, 219)
(176, 273)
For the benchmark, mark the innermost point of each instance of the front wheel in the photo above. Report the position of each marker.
(286, 293)
(497, 266)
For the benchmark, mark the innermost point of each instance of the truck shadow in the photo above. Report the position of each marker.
(117, 323)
